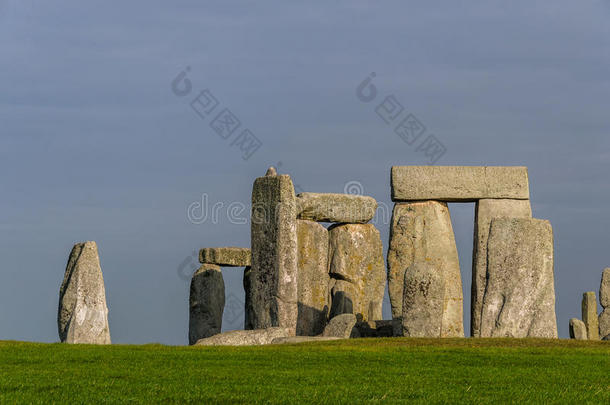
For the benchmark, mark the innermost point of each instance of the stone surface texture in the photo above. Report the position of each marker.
(421, 232)
(248, 310)
(206, 302)
(604, 289)
(246, 337)
(225, 256)
(313, 278)
(485, 210)
(604, 324)
(302, 339)
(424, 296)
(273, 278)
(519, 299)
(589, 315)
(458, 183)
(330, 207)
(340, 326)
(578, 330)
(356, 262)
(82, 312)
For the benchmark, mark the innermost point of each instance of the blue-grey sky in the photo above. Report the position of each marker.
(94, 145)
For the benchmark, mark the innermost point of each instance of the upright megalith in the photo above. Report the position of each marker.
(423, 301)
(589, 315)
(356, 263)
(485, 210)
(273, 277)
(206, 302)
(313, 278)
(604, 299)
(519, 299)
(421, 233)
(82, 315)
(578, 330)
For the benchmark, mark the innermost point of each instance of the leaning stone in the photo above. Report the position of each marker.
(340, 326)
(458, 183)
(274, 253)
(225, 256)
(245, 337)
(578, 329)
(589, 315)
(604, 289)
(422, 232)
(206, 302)
(313, 278)
(604, 324)
(485, 210)
(424, 297)
(356, 257)
(519, 300)
(380, 328)
(82, 315)
(302, 339)
(328, 207)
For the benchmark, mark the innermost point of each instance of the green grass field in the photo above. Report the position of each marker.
(356, 370)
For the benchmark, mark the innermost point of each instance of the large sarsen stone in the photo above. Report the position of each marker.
(225, 256)
(206, 302)
(330, 207)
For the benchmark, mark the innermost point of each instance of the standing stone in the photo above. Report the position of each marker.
(519, 298)
(273, 278)
(578, 330)
(248, 310)
(589, 315)
(82, 314)
(424, 296)
(604, 289)
(356, 261)
(426, 224)
(340, 326)
(485, 210)
(313, 278)
(206, 302)
(604, 324)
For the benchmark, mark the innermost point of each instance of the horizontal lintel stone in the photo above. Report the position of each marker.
(225, 256)
(459, 183)
(331, 207)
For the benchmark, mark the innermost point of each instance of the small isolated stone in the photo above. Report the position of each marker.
(604, 289)
(329, 207)
(578, 330)
(271, 171)
(206, 303)
(302, 339)
(589, 315)
(225, 256)
(245, 337)
(340, 326)
(82, 314)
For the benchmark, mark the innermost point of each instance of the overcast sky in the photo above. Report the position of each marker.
(95, 144)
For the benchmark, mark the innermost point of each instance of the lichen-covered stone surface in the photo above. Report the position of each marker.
(246, 337)
(421, 232)
(519, 299)
(485, 210)
(458, 183)
(225, 256)
(424, 296)
(578, 330)
(313, 278)
(356, 262)
(82, 313)
(206, 302)
(330, 207)
(589, 315)
(340, 326)
(273, 277)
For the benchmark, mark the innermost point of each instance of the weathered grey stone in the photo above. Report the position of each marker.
(302, 339)
(604, 289)
(458, 183)
(329, 207)
(356, 258)
(485, 210)
(248, 310)
(246, 337)
(519, 299)
(273, 278)
(589, 315)
(424, 297)
(340, 326)
(604, 324)
(422, 232)
(313, 278)
(578, 329)
(381, 328)
(206, 302)
(82, 315)
(225, 256)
